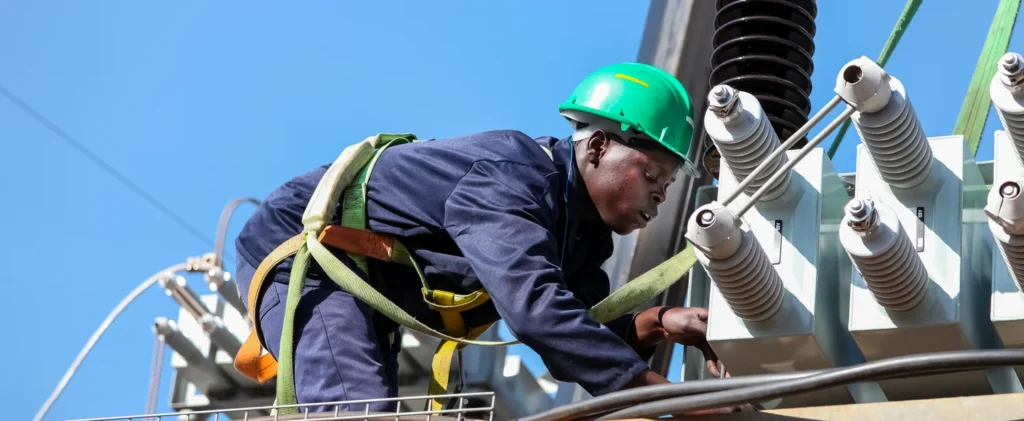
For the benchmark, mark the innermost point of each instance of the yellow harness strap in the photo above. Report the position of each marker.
(451, 306)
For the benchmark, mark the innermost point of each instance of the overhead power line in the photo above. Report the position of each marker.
(96, 159)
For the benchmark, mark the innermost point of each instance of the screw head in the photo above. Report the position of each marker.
(721, 96)
(857, 208)
(1010, 62)
(861, 213)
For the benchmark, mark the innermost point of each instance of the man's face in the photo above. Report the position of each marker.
(627, 185)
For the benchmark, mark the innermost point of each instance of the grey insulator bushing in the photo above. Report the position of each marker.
(886, 122)
(736, 263)
(740, 129)
(1008, 99)
(883, 254)
(1005, 210)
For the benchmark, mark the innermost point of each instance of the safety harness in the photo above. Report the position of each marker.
(348, 175)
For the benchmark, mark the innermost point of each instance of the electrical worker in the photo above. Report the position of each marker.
(529, 221)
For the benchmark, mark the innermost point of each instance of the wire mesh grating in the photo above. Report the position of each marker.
(259, 413)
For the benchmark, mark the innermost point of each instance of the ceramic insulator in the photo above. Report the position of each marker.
(736, 263)
(896, 140)
(1005, 209)
(886, 122)
(1006, 93)
(884, 255)
(744, 136)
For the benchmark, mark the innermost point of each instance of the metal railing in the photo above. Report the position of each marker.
(459, 412)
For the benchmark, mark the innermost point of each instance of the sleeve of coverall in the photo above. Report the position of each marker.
(499, 215)
(596, 287)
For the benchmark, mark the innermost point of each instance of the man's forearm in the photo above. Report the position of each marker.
(647, 329)
(646, 378)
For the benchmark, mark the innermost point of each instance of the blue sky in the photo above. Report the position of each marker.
(199, 103)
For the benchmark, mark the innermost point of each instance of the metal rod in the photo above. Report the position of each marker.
(799, 134)
(792, 162)
(154, 375)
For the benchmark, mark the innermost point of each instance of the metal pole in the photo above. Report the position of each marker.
(677, 39)
(156, 370)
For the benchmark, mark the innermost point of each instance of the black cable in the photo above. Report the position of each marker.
(594, 408)
(630, 397)
(41, 119)
(928, 362)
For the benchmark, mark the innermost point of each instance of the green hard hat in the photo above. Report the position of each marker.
(641, 97)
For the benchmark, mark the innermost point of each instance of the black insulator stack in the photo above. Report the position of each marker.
(765, 47)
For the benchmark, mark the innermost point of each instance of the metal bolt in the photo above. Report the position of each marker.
(723, 101)
(1010, 63)
(862, 214)
(1009, 190)
(1011, 70)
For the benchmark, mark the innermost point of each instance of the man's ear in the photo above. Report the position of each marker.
(597, 146)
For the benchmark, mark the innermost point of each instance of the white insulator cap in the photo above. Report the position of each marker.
(864, 85)
(1005, 206)
(715, 231)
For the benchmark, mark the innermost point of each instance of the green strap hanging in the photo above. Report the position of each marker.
(974, 112)
(890, 45)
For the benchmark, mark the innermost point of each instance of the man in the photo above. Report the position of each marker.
(495, 211)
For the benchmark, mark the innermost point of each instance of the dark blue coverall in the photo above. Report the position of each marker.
(487, 210)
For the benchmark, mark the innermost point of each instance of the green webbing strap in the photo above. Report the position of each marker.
(354, 198)
(645, 287)
(286, 353)
(890, 45)
(622, 301)
(974, 112)
(355, 285)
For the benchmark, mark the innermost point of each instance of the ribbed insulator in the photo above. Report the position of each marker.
(748, 281)
(1005, 91)
(1011, 247)
(737, 125)
(895, 139)
(765, 47)
(884, 255)
(736, 263)
(1005, 210)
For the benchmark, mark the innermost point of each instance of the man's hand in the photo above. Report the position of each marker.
(688, 326)
(683, 325)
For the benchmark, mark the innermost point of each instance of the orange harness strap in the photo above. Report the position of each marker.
(250, 359)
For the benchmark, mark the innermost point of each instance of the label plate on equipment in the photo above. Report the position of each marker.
(919, 235)
(776, 255)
